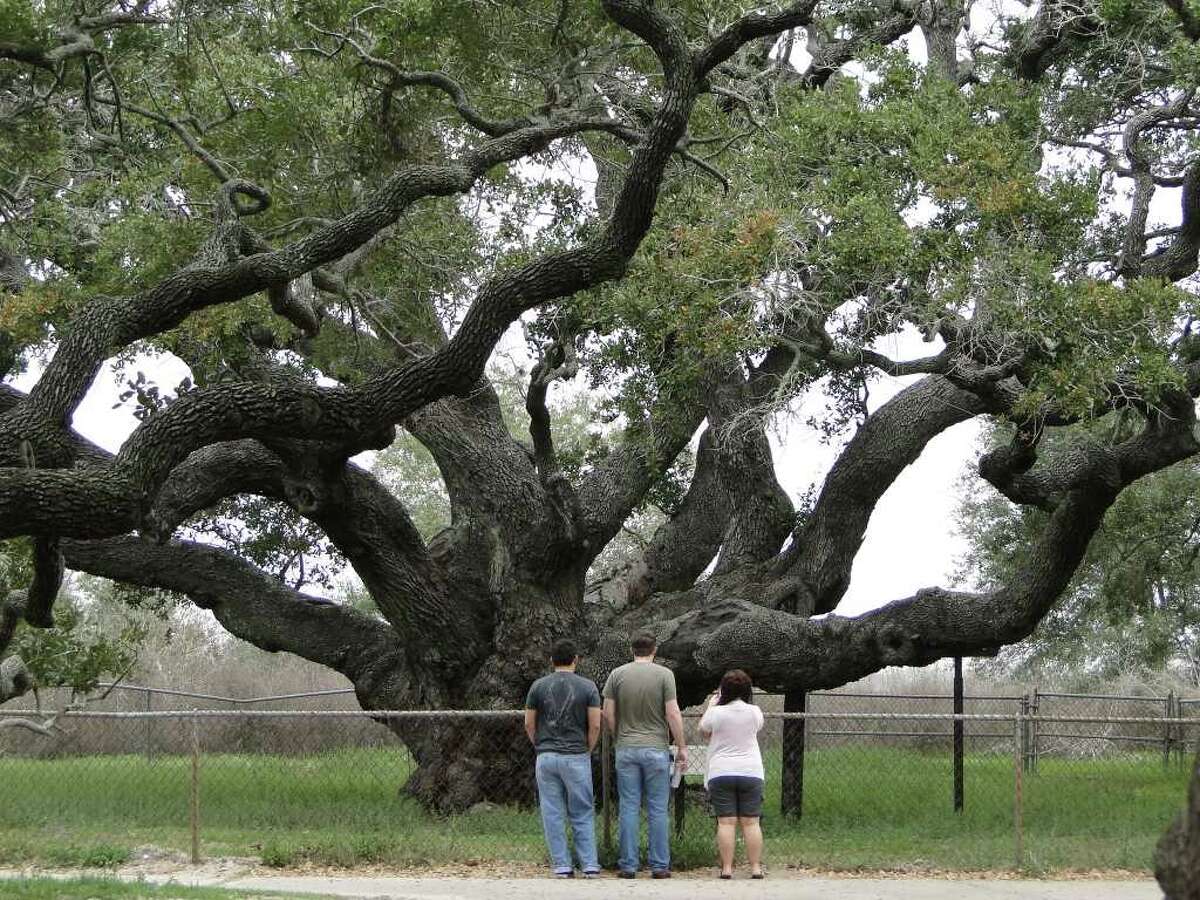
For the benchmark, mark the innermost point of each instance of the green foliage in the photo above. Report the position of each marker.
(907, 200)
(410, 472)
(22, 22)
(90, 856)
(79, 650)
(1133, 607)
(275, 538)
(74, 653)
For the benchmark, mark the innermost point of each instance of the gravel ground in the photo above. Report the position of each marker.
(471, 882)
(693, 889)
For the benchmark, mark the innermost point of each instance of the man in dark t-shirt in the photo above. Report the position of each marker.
(562, 719)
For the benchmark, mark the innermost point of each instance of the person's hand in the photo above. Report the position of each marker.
(713, 698)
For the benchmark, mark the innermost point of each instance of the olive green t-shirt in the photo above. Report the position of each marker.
(641, 692)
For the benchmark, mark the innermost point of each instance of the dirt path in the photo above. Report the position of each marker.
(690, 887)
(696, 889)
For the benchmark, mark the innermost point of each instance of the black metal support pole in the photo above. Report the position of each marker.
(680, 801)
(958, 735)
(791, 795)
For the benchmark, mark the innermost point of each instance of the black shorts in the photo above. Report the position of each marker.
(736, 795)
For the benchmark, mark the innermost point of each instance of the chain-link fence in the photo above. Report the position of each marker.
(343, 787)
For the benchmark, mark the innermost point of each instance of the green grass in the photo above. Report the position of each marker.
(111, 889)
(864, 808)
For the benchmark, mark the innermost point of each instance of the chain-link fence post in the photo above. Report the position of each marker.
(1018, 799)
(1180, 731)
(1026, 753)
(194, 794)
(1168, 709)
(1034, 710)
(958, 734)
(149, 736)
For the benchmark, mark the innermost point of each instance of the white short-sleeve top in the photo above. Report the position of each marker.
(733, 746)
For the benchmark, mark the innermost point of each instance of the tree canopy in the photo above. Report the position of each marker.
(332, 212)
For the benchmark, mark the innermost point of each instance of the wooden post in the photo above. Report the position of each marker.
(791, 793)
(1018, 800)
(958, 734)
(194, 804)
(606, 787)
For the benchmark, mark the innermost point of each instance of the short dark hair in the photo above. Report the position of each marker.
(563, 652)
(643, 644)
(735, 685)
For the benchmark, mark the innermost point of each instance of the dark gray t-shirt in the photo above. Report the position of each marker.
(562, 701)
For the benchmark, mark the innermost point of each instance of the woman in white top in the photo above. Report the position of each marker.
(734, 777)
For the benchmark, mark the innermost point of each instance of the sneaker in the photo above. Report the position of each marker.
(570, 874)
(624, 874)
(661, 873)
(594, 874)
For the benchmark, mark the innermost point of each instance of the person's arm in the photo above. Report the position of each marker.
(610, 704)
(706, 720)
(595, 707)
(610, 715)
(531, 705)
(675, 722)
(531, 725)
(674, 718)
(593, 727)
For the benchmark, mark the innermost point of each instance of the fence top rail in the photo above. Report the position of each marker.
(970, 698)
(172, 692)
(419, 715)
(1058, 695)
(987, 717)
(882, 696)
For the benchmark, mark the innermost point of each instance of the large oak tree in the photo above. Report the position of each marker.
(332, 212)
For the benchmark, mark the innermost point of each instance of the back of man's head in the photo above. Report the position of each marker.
(644, 645)
(563, 652)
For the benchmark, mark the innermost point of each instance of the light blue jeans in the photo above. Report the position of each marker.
(644, 773)
(564, 782)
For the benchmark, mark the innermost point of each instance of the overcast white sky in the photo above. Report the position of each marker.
(911, 541)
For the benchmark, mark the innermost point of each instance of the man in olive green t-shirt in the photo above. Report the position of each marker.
(641, 709)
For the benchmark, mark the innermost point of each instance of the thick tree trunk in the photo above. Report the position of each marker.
(1177, 858)
(464, 761)
(476, 757)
